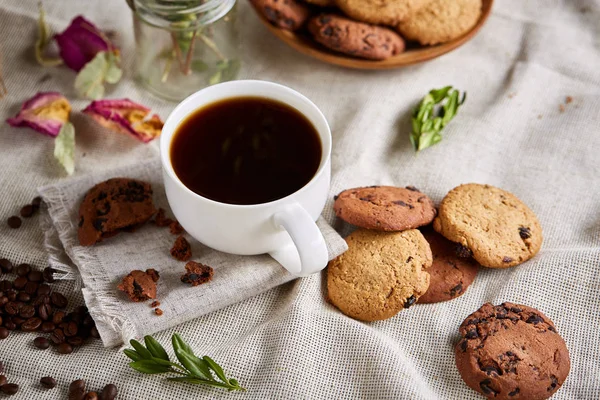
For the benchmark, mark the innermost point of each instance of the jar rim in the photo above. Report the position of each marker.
(161, 13)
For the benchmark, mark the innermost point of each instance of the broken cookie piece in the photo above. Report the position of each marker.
(113, 206)
(181, 250)
(161, 220)
(175, 228)
(197, 273)
(139, 285)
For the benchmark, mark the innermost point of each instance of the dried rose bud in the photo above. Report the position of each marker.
(45, 112)
(125, 116)
(80, 42)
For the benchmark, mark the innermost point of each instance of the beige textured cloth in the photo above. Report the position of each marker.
(102, 266)
(288, 342)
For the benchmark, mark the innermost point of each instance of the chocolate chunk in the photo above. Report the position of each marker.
(409, 259)
(410, 301)
(553, 384)
(456, 290)
(492, 371)
(514, 392)
(506, 259)
(472, 334)
(486, 388)
(462, 251)
(412, 188)
(524, 232)
(197, 273)
(534, 319)
(403, 204)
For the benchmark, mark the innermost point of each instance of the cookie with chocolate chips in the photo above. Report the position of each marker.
(493, 225)
(380, 274)
(451, 275)
(511, 351)
(385, 208)
(355, 38)
(112, 206)
(285, 14)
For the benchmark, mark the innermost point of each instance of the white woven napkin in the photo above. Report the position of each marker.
(103, 265)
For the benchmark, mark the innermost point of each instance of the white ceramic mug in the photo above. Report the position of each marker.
(284, 228)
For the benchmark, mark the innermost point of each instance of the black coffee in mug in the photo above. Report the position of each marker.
(245, 150)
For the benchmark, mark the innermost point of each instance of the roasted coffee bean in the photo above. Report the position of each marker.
(35, 276)
(64, 348)
(31, 325)
(1, 320)
(5, 285)
(11, 295)
(109, 392)
(91, 396)
(76, 390)
(36, 202)
(88, 321)
(47, 327)
(39, 300)
(14, 222)
(94, 333)
(24, 297)
(27, 211)
(12, 307)
(3, 300)
(75, 341)
(31, 288)
(58, 317)
(6, 266)
(76, 317)
(3, 380)
(3, 332)
(59, 300)
(48, 382)
(70, 329)
(44, 311)
(27, 311)
(48, 274)
(20, 282)
(18, 320)
(41, 342)
(44, 290)
(23, 269)
(57, 337)
(9, 388)
(10, 325)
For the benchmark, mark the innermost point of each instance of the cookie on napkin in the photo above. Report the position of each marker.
(380, 274)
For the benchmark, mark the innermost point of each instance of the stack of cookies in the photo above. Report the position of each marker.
(373, 29)
(509, 351)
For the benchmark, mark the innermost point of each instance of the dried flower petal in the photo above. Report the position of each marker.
(104, 67)
(64, 147)
(125, 116)
(45, 112)
(80, 43)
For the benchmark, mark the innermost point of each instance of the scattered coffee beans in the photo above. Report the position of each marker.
(3, 332)
(48, 274)
(9, 388)
(27, 211)
(6, 266)
(36, 202)
(14, 222)
(76, 390)
(109, 392)
(3, 380)
(48, 382)
(64, 348)
(91, 396)
(23, 269)
(41, 342)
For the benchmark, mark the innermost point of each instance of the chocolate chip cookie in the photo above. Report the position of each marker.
(441, 21)
(286, 14)
(139, 285)
(450, 275)
(113, 206)
(511, 351)
(386, 12)
(355, 38)
(380, 274)
(385, 208)
(497, 227)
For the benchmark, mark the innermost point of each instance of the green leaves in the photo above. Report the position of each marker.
(104, 67)
(64, 147)
(153, 359)
(429, 118)
(44, 37)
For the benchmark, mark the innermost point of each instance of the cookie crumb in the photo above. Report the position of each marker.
(153, 274)
(568, 99)
(158, 311)
(139, 285)
(155, 304)
(197, 273)
(181, 249)
(161, 220)
(511, 95)
(561, 108)
(540, 116)
(175, 228)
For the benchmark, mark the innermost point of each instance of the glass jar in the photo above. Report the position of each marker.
(185, 45)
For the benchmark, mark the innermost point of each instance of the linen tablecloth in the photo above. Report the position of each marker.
(289, 343)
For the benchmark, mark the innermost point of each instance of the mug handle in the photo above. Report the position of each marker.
(308, 252)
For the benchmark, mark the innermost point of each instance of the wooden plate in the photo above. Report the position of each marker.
(304, 44)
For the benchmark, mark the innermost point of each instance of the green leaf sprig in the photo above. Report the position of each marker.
(153, 359)
(429, 118)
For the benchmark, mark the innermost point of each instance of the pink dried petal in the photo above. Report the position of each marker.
(125, 116)
(45, 112)
(80, 42)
